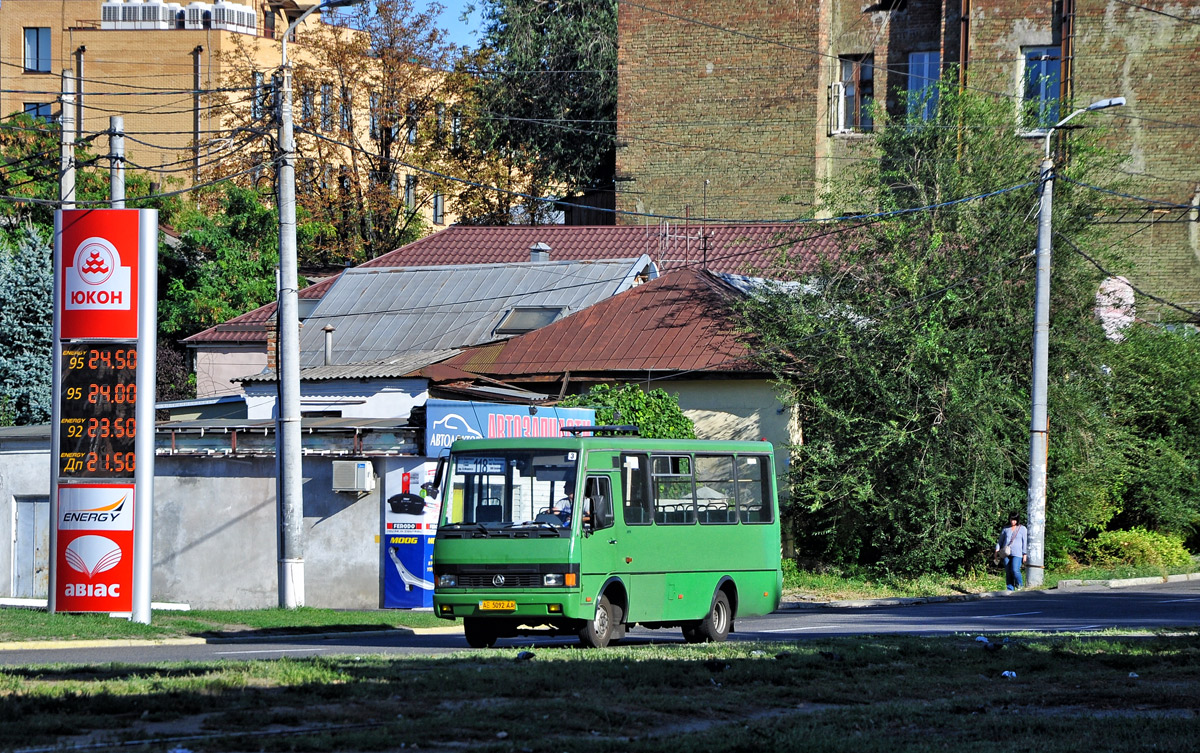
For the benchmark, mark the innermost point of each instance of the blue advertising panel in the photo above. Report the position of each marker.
(409, 522)
(448, 420)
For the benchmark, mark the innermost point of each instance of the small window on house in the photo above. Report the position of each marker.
(522, 319)
(439, 209)
(373, 107)
(43, 110)
(37, 49)
(439, 122)
(924, 70)
(1041, 96)
(326, 107)
(269, 23)
(852, 95)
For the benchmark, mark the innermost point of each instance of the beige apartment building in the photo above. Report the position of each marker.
(145, 61)
(192, 83)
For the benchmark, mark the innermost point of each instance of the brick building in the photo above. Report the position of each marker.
(739, 111)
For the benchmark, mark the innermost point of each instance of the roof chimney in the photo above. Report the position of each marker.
(328, 330)
(539, 252)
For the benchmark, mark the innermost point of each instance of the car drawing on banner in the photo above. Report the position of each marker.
(446, 430)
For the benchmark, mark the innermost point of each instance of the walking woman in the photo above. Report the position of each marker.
(1012, 546)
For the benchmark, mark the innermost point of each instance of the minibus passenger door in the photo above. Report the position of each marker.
(598, 544)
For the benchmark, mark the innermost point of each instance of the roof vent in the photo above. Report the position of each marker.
(539, 252)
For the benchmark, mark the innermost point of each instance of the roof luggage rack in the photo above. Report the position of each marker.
(606, 430)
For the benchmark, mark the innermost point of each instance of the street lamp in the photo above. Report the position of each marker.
(1039, 426)
(288, 442)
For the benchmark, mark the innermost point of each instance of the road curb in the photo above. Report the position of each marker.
(1062, 585)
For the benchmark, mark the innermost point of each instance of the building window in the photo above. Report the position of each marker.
(373, 114)
(37, 49)
(456, 130)
(852, 95)
(269, 23)
(924, 70)
(344, 110)
(410, 191)
(439, 209)
(412, 121)
(256, 96)
(439, 112)
(306, 105)
(326, 107)
(1042, 77)
(41, 110)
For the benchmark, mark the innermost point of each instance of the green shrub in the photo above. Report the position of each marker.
(791, 573)
(1137, 546)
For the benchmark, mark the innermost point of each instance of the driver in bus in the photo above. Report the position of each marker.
(562, 508)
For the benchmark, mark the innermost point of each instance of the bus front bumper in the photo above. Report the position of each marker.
(543, 605)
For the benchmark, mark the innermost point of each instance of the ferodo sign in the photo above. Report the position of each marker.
(95, 548)
(99, 280)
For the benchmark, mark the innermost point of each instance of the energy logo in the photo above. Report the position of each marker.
(96, 280)
(95, 508)
(91, 555)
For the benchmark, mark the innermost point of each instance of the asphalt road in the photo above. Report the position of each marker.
(1089, 609)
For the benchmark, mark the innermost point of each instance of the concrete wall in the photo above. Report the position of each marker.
(215, 537)
(218, 366)
(739, 409)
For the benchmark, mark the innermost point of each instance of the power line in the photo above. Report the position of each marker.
(1195, 315)
(1157, 12)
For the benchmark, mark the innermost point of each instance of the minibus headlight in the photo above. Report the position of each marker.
(447, 580)
(553, 579)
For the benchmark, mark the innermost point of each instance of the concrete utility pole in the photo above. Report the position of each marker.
(116, 154)
(288, 439)
(66, 174)
(1039, 425)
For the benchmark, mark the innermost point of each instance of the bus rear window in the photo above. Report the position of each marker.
(752, 486)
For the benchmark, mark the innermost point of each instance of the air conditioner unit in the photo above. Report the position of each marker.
(353, 476)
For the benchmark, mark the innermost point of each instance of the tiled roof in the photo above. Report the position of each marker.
(680, 322)
(757, 248)
(754, 247)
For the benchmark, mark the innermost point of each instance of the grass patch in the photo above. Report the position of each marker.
(852, 694)
(32, 624)
(837, 584)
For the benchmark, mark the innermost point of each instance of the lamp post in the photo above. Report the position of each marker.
(1039, 426)
(288, 441)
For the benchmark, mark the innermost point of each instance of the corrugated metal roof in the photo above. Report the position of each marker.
(385, 368)
(778, 250)
(381, 311)
(251, 327)
(683, 321)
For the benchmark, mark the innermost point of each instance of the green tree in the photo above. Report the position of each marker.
(224, 265)
(909, 358)
(656, 413)
(25, 327)
(547, 90)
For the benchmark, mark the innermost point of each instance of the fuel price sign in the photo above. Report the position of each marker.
(98, 410)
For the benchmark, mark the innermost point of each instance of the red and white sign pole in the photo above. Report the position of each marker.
(102, 481)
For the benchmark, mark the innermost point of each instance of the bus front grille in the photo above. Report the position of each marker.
(498, 580)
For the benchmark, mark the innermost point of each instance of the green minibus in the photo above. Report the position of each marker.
(590, 535)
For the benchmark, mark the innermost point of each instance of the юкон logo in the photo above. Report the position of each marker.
(96, 281)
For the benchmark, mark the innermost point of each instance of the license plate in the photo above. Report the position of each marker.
(493, 605)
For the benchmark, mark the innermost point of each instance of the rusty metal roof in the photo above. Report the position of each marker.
(683, 321)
